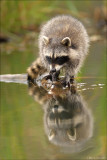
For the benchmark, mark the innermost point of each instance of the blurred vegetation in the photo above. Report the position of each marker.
(17, 15)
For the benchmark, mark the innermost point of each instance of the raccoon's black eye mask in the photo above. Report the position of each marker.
(58, 60)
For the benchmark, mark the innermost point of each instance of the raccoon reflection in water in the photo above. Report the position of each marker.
(68, 122)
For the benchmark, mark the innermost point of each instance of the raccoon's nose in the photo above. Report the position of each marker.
(53, 70)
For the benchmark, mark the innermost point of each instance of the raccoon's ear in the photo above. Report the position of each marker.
(51, 134)
(72, 134)
(66, 41)
(45, 40)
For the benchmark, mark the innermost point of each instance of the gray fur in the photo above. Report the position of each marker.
(56, 30)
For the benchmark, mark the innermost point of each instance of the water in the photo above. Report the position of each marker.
(30, 126)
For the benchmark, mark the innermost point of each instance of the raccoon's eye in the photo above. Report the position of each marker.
(61, 60)
(49, 59)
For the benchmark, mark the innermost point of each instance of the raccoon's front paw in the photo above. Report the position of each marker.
(67, 82)
(55, 76)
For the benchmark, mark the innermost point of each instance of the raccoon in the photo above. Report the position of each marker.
(63, 44)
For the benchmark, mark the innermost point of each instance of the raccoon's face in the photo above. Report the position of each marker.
(56, 55)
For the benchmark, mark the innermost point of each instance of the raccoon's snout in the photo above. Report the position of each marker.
(56, 63)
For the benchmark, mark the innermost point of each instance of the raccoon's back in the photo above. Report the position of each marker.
(59, 25)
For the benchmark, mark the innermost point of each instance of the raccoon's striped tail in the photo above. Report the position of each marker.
(35, 69)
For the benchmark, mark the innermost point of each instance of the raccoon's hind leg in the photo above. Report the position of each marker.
(35, 69)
